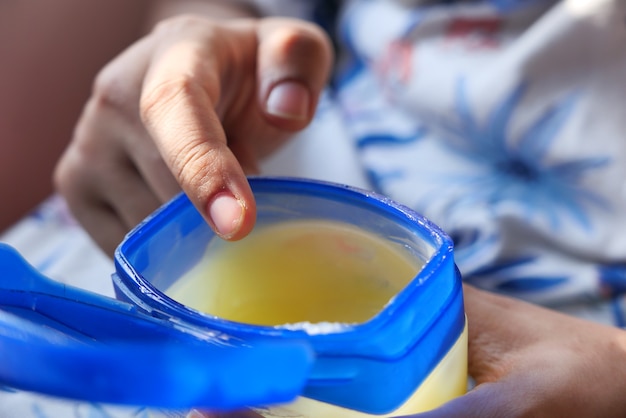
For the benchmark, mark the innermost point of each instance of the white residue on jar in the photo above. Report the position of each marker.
(316, 328)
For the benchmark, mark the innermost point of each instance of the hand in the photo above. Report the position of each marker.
(194, 105)
(530, 361)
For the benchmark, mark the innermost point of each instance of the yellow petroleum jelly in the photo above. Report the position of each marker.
(299, 272)
(316, 276)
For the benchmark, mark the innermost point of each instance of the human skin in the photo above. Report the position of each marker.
(530, 361)
(50, 53)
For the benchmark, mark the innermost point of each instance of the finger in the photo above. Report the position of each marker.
(129, 195)
(291, 68)
(495, 333)
(115, 107)
(108, 215)
(94, 214)
(502, 329)
(98, 164)
(181, 101)
(148, 162)
(107, 202)
(178, 102)
(294, 62)
(100, 183)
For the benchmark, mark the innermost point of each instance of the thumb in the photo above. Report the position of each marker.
(294, 61)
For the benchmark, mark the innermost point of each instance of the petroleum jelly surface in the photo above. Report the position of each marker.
(298, 272)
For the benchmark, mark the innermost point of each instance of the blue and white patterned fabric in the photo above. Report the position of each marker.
(502, 121)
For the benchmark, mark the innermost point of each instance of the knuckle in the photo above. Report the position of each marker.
(306, 41)
(87, 162)
(68, 175)
(109, 90)
(166, 94)
(177, 23)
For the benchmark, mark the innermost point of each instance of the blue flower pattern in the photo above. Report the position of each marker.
(518, 283)
(519, 171)
(507, 170)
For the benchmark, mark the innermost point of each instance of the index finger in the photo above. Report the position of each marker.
(179, 97)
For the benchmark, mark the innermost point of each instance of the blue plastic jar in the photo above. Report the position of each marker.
(410, 357)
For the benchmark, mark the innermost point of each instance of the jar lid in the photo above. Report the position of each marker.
(68, 342)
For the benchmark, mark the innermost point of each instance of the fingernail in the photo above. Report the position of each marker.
(288, 99)
(226, 213)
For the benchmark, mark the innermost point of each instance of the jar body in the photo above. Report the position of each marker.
(447, 381)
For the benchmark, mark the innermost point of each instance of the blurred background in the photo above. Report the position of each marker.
(50, 52)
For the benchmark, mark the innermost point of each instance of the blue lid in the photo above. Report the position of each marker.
(67, 342)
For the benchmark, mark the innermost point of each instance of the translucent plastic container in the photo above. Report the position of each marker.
(405, 352)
